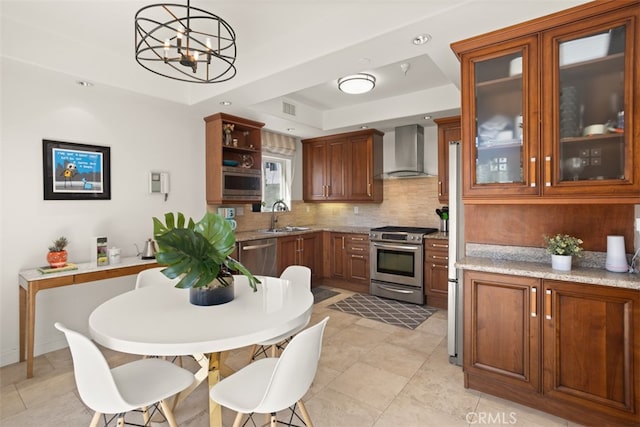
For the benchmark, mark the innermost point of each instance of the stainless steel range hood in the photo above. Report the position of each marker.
(409, 153)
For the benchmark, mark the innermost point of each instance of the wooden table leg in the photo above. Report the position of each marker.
(215, 410)
(23, 315)
(30, 327)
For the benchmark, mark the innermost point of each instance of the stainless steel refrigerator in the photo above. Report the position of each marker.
(456, 251)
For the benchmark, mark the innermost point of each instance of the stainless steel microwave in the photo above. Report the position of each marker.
(241, 183)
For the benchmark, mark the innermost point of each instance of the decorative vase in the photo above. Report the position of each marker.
(57, 259)
(213, 296)
(561, 262)
(227, 138)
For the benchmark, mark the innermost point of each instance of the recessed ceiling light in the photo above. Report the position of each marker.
(290, 129)
(426, 117)
(84, 83)
(357, 83)
(225, 103)
(421, 39)
(364, 127)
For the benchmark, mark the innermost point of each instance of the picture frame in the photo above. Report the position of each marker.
(74, 171)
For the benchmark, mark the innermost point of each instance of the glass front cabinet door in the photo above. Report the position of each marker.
(502, 145)
(548, 111)
(588, 144)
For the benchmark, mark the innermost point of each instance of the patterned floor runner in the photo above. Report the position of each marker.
(385, 310)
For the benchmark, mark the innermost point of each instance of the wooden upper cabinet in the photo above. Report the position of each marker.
(344, 167)
(448, 131)
(245, 148)
(530, 95)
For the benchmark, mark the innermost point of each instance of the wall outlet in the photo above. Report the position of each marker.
(638, 225)
(239, 211)
(356, 210)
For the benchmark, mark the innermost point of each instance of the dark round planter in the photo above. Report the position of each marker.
(212, 296)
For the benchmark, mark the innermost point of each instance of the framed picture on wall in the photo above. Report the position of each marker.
(75, 171)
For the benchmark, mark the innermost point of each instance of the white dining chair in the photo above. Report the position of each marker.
(115, 391)
(299, 275)
(154, 277)
(273, 384)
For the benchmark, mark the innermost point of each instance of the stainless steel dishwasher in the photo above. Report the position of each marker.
(259, 256)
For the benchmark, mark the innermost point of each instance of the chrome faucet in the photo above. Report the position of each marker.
(274, 220)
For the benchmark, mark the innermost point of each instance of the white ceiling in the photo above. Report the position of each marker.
(288, 50)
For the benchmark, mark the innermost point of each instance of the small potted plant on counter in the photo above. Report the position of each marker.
(199, 254)
(57, 256)
(562, 248)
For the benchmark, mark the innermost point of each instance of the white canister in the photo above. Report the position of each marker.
(114, 255)
(616, 256)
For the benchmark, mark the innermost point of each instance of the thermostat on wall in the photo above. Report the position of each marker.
(159, 182)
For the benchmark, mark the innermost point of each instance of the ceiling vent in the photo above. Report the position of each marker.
(288, 108)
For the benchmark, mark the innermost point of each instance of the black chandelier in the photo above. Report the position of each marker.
(185, 43)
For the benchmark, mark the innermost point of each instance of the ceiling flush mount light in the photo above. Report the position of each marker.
(84, 83)
(225, 103)
(185, 43)
(357, 83)
(421, 39)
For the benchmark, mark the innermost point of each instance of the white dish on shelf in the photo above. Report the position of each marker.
(584, 49)
(515, 66)
(594, 130)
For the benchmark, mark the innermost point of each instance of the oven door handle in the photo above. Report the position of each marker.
(399, 291)
(405, 248)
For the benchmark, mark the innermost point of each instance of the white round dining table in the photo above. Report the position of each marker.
(160, 321)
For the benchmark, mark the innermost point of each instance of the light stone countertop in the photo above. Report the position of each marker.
(595, 276)
(260, 234)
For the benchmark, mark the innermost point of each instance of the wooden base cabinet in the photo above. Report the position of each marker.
(303, 249)
(349, 261)
(566, 348)
(436, 269)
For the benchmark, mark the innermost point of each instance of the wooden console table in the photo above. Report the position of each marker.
(31, 281)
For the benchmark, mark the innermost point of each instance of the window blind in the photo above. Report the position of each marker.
(276, 143)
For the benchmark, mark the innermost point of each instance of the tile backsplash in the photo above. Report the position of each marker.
(407, 202)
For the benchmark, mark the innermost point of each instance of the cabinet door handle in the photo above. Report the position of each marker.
(343, 242)
(328, 190)
(369, 189)
(440, 257)
(439, 188)
(435, 245)
(534, 302)
(547, 171)
(547, 304)
(532, 172)
(357, 256)
(359, 239)
(357, 249)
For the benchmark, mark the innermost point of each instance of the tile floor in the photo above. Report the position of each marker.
(370, 374)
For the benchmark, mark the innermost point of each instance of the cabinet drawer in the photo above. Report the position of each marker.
(440, 245)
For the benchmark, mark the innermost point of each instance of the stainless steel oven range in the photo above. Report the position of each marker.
(397, 255)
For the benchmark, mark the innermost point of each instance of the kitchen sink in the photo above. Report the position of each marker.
(286, 229)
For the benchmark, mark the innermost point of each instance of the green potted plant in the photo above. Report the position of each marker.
(57, 256)
(199, 253)
(562, 248)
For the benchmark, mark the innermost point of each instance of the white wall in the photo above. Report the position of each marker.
(144, 134)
